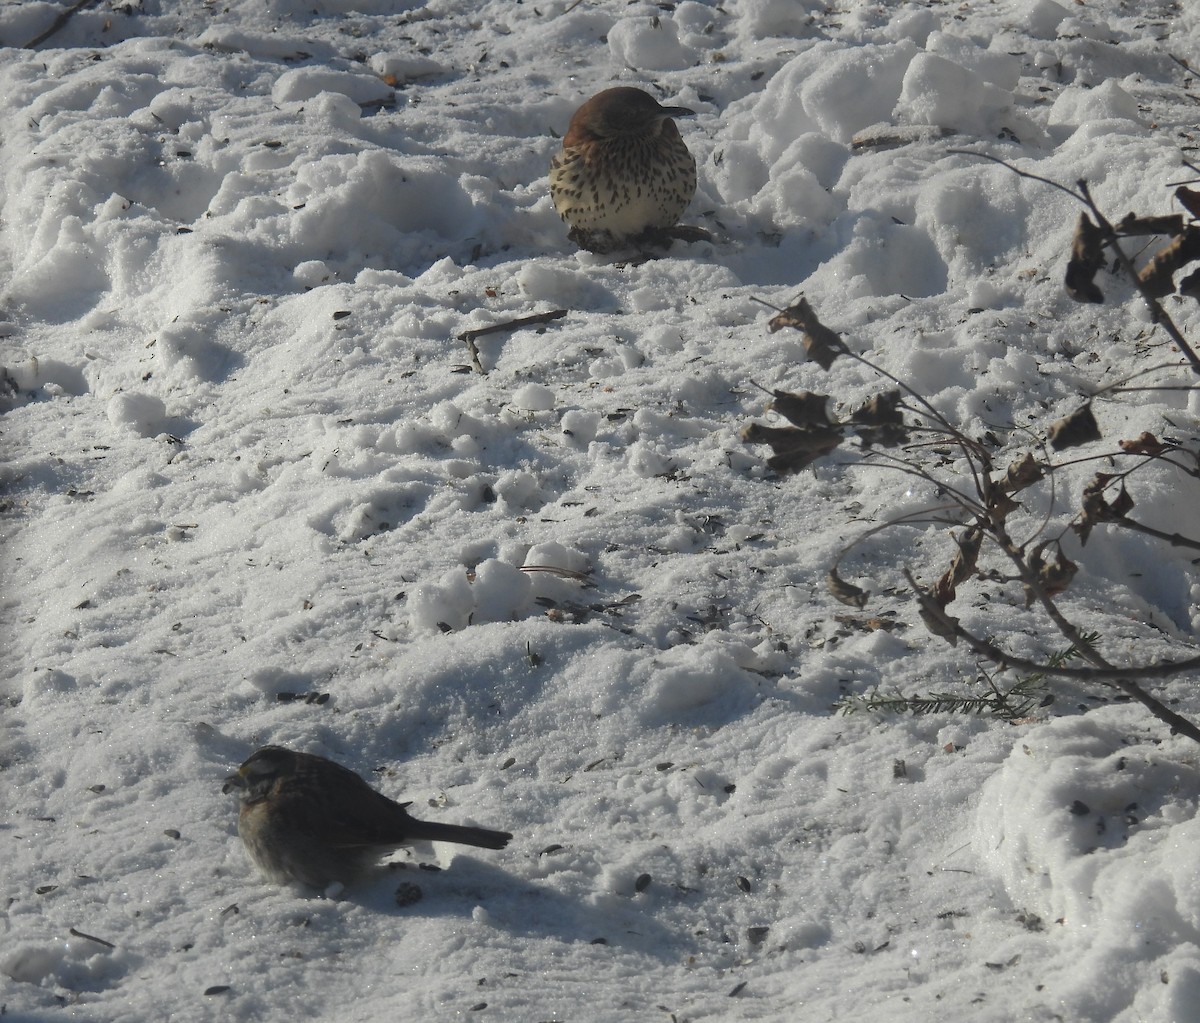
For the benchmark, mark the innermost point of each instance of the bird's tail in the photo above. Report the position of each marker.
(431, 831)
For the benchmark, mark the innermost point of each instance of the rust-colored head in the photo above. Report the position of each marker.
(623, 173)
(619, 112)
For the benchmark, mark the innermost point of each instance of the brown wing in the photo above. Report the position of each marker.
(342, 809)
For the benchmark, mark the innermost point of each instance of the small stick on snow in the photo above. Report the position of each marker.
(91, 937)
(58, 24)
(520, 321)
(469, 336)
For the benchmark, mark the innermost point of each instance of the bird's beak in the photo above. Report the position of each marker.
(679, 112)
(234, 781)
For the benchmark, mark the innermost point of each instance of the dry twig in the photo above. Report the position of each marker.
(58, 24)
(536, 319)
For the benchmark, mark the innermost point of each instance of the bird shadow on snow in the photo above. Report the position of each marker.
(514, 906)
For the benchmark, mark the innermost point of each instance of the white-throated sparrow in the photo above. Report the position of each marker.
(304, 818)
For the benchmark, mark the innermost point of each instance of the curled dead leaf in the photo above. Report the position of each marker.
(1079, 427)
(1022, 474)
(846, 592)
(882, 421)
(1094, 507)
(794, 448)
(1053, 576)
(821, 343)
(1146, 444)
(1114, 509)
(962, 565)
(881, 410)
(1132, 225)
(935, 619)
(1000, 506)
(1087, 257)
(1189, 199)
(802, 408)
(1097, 508)
(1123, 505)
(1157, 276)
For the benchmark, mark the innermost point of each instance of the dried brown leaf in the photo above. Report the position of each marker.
(1053, 576)
(846, 592)
(1022, 474)
(1122, 506)
(821, 343)
(1075, 429)
(1094, 508)
(881, 410)
(790, 317)
(820, 351)
(1157, 276)
(802, 408)
(1087, 257)
(1001, 506)
(1083, 528)
(793, 448)
(757, 433)
(1146, 444)
(962, 565)
(935, 619)
(1189, 199)
(1132, 225)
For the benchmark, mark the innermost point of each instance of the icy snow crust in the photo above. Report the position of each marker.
(257, 491)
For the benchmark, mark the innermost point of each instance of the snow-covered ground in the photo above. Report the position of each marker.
(256, 490)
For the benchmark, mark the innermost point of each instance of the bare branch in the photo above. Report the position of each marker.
(58, 24)
(536, 319)
(1122, 678)
(1159, 313)
(1111, 240)
(521, 321)
(1020, 173)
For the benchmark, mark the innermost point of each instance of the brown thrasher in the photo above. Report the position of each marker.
(623, 176)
